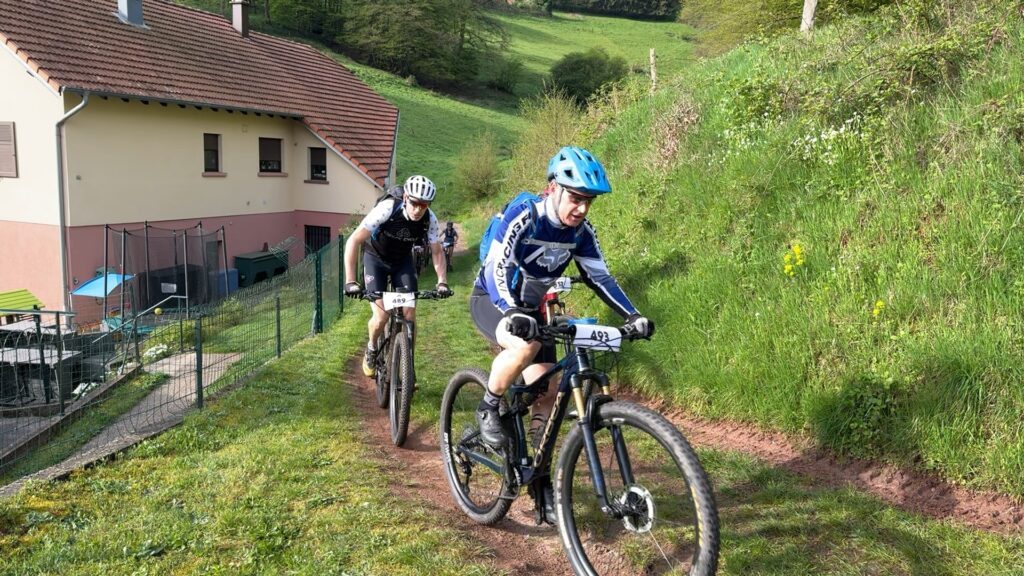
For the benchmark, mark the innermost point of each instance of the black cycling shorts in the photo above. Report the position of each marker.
(486, 317)
(378, 273)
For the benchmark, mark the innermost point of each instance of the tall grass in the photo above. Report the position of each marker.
(887, 152)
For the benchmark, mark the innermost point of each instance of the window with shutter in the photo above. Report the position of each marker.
(8, 151)
(270, 155)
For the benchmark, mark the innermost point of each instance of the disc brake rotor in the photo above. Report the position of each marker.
(638, 509)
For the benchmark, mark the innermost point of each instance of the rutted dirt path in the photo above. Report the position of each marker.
(518, 544)
(913, 491)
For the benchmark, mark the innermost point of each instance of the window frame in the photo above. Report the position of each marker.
(218, 169)
(312, 173)
(279, 159)
(13, 154)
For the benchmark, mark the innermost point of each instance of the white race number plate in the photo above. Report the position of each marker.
(597, 337)
(394, 300)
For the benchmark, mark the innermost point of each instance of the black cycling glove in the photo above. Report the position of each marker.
(443, 291)
(639, 325)
(353, 289)
(521, 325)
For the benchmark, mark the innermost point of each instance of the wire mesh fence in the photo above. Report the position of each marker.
(70, 396)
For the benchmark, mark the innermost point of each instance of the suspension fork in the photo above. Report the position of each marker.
(590, 444)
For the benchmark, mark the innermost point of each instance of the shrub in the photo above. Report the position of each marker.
(476, 167)
(581, 74)
(506, 76)
(552, 121)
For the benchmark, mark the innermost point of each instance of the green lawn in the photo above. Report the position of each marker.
(541, 41)
(275, 478)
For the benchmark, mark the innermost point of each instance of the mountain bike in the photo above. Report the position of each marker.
(421, 256)
(449, 248)
(630, 493)
(395, 378)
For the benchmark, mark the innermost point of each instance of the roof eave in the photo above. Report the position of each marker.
(180, 102)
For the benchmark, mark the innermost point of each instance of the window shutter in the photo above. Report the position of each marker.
(8, 155)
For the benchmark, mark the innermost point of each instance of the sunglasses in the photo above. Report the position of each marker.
(578, 199)
(418, 203)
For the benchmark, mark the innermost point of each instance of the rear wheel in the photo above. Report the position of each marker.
(669, 522)
(476, 473)
(402, 383)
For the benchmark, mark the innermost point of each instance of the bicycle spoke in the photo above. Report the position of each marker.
(657, 534)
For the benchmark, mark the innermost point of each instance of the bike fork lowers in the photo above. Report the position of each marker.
(590, 444)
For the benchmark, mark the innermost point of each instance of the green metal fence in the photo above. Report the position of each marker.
(69, 397)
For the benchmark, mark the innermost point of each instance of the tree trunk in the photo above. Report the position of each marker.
(807, 21)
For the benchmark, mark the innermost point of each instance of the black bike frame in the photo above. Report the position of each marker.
(576, 368)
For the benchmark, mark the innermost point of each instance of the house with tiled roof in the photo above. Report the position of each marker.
(122, 112)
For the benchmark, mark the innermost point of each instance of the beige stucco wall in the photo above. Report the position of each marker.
(35, 110)
(348, 191)
(132, 162)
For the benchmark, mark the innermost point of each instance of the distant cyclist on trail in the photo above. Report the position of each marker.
(448, 239)
(532, 247)
(450, 235)
(389, 232)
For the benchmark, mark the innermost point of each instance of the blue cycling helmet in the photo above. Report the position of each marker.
(578, 169)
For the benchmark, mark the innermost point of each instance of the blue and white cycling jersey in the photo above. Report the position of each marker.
(521, 266)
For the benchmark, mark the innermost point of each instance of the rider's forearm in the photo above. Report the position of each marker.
(355, 242)
(439, 267)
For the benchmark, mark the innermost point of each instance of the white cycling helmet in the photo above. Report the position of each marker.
(420, 188)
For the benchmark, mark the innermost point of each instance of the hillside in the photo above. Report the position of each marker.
(831, 236)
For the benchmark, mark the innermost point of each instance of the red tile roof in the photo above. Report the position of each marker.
(190, 56)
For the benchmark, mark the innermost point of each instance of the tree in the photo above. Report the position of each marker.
(439, 42)
(807, 21)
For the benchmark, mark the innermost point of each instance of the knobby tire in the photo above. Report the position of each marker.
(578, 534)
(402, 384)
(458, 406)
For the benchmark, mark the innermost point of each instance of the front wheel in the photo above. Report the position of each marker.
(476, 473)
(402, 384)
(668, 522)
(380, 380)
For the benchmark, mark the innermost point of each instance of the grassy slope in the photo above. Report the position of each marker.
(898, 333)
(274, 479)
(773, 522)
(434, 128)
(540, 42)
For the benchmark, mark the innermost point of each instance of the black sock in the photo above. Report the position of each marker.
(489, 402)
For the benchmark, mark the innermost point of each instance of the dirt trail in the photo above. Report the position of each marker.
(518, 545)
(914, 491)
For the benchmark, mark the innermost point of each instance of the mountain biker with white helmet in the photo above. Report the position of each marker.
(532, 247)
(389, 232)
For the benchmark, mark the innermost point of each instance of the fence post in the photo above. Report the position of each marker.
(60, 363)
(47, 393)
(199, 361)
(318, 313)
(181, 332)
(341, 273)
(135, 338)
(277, 313)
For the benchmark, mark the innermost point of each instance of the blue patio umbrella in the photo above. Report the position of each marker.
(94, 286)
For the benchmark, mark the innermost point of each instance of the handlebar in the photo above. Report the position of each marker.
(420, 295)
(562, 329)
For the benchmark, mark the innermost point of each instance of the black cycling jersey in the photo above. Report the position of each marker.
(393, 236)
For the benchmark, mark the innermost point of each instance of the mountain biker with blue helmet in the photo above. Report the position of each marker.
(389, 232)
(533, 245)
